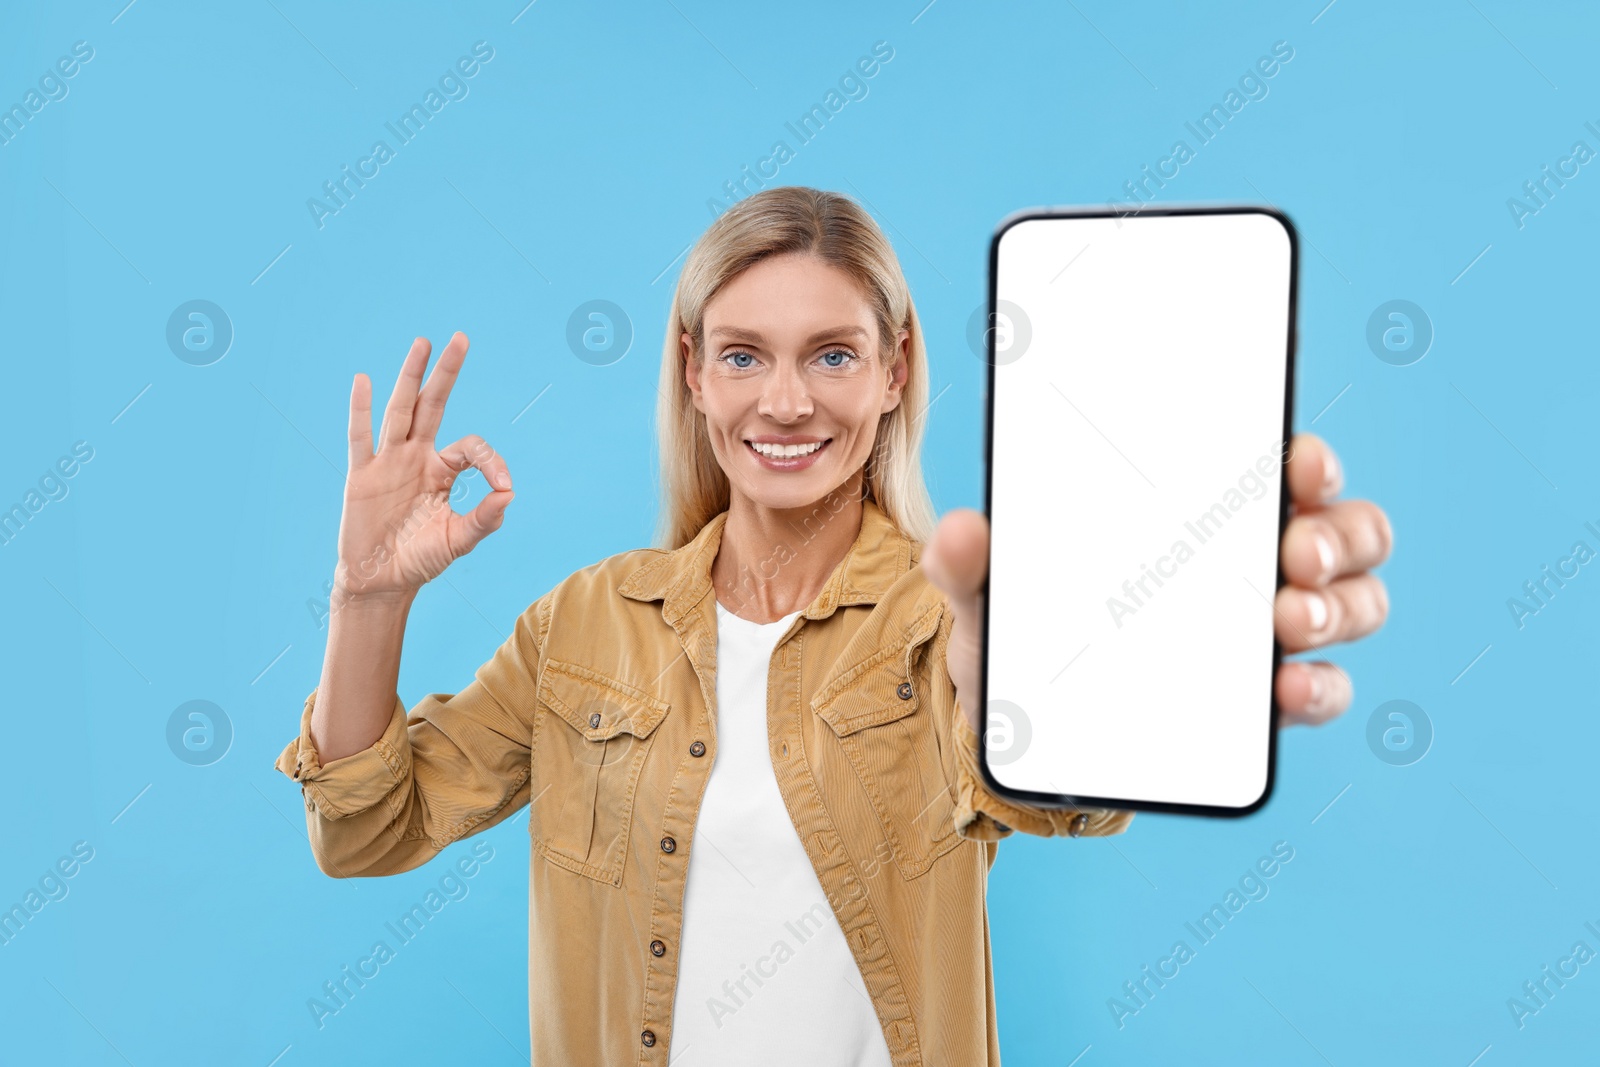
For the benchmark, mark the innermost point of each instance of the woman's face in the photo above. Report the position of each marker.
(792, 383)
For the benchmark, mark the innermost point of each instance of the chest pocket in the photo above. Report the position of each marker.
(589, 745)
(877, 709)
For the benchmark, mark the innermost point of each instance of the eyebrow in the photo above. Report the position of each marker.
(736, 333)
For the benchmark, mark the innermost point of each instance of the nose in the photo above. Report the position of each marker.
(784, 398)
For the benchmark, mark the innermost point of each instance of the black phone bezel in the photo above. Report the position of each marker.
(1054, 800)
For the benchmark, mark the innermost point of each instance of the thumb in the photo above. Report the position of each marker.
(957, 562)
(467, 530)
(957, 559)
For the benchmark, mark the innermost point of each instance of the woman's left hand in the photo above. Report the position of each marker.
(1329, 549)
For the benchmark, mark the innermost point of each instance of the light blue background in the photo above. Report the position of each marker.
(181, 563)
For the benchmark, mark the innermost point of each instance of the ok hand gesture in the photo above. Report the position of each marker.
(398, 531)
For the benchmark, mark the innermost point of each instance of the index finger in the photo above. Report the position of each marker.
(360, 421)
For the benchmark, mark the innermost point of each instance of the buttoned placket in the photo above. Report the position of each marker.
(824, 847)
(695, 624)
(696, 631)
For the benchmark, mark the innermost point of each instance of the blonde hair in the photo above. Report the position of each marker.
(834, 228)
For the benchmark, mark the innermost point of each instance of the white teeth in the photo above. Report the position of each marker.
(786, 451)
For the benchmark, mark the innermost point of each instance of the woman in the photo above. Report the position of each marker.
(758, 831)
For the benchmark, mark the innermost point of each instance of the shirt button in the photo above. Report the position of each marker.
(668, 845)
(1078, 825)
(904, 690)
(594, 720)
(658, 948)
(697, 749)
(649, 1038)
(297, 769)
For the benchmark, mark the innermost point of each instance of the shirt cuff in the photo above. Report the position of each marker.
(982, 816)
(351, 783)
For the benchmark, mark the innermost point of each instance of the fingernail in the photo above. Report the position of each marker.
(1330, 475)
(1317, 609)
(505, 480)
(1325, 557)
(1319, 688)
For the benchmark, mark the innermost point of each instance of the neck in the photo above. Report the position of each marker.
(774, 561)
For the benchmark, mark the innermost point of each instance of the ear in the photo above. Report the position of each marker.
(902, 369)
(691, 370)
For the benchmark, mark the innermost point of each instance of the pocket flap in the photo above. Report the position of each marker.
(880, 688)
(596, 706)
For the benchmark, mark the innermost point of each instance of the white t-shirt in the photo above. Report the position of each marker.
(764, 974)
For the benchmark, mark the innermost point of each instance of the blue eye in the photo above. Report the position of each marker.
(732, 358)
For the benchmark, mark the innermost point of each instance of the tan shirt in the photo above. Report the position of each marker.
(598, 714)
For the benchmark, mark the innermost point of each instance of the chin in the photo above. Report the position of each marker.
(788, 497)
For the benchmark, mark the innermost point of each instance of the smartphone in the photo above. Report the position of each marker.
(1140, 389)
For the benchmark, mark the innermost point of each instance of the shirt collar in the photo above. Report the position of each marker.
(681, 577)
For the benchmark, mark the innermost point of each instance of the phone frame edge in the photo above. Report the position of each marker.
(1064, 801)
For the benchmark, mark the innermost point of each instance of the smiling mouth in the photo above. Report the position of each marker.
(788, 452)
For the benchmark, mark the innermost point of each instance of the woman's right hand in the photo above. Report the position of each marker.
(398, 531)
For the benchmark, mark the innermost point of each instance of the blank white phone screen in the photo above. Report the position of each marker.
(1139, 389)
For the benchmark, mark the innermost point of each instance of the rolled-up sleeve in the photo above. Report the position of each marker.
(456, 765)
